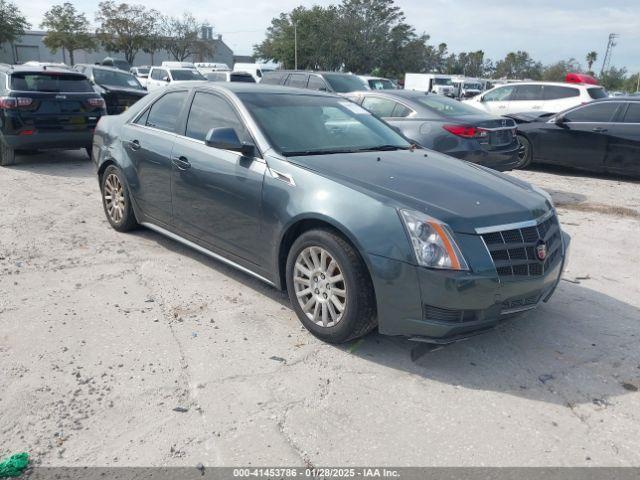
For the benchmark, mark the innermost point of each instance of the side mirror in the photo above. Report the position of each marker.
(226, 138)
(166, 79)
(559, 120)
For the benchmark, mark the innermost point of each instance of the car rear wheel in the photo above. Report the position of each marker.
(7, 155)
(116, 200)
(329, 287)
(524, 154)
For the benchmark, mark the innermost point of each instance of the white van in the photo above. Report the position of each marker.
(167, 64)
(430, 82)
(255, 69)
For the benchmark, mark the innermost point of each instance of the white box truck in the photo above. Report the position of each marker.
(430, 82)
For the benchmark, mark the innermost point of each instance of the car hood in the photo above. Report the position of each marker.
(463, 195)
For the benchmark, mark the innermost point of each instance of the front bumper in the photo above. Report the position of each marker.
(444, 307)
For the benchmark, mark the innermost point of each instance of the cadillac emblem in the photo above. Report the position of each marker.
(541, 250)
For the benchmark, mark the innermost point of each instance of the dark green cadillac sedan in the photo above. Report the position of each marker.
(311, 193)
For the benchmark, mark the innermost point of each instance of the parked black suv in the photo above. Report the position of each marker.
(335, 82)
(45, 107)
(119, 89)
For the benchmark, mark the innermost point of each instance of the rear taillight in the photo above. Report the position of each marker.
(11, 103)
(465, 131)
(96, 102)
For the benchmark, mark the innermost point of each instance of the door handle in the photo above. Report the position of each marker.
(598, 129)
(134, 145)
(181, 163)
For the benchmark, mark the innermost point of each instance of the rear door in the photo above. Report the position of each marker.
(526, 98)
(54, 102)
(558, 98)
(217, 193)
(624, 141)
(297, 80)
(582, 139)
(148, 142)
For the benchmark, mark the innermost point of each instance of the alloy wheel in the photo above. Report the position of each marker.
(320, 287)
(114, 198)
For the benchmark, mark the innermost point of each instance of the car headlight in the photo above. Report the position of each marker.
(432, 242)
(544, 193)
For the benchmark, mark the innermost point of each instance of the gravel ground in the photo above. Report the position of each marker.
(128, 349)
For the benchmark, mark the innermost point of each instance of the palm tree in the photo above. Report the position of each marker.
(591, 58)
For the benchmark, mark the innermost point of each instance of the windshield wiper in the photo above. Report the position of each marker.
(302, 153)
(382, 148)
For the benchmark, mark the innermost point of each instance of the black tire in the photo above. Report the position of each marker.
(7, 155)
(359, 315)
(525, 153)
(125, 218)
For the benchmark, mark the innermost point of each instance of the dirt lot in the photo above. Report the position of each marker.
(128, 349)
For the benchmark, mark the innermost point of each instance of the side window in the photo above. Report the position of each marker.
(381, 107)
(593, 113)
(633, 113)
(401, 111)
(554, 92)
(165, 112)
(298, 80)
(316, 83)
(211, 111)
(155, 74)
(528, 92)
(499, 94)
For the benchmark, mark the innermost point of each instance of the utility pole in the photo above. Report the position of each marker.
(295, 45)
(607, 56)
(638, 83)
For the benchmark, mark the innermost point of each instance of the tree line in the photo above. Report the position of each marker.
(122, 28)
(373, 37)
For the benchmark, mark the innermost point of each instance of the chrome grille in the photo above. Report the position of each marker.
(514, 251)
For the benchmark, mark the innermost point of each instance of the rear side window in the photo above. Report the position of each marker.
(165, 112)
(211, 111)
(553, 92)
(382, 107)
(297, 80)
(528, 92)
(401, 111)
(596, 93)
(593, 113)
(50, 82)
(633, 113)
(217, 77)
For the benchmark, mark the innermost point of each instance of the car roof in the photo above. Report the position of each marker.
(241, 87)
(557, 84)
(36, 69)
(107, 68)
(621, 98)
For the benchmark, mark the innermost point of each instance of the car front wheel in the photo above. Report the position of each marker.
(329, 287)
(116, 200)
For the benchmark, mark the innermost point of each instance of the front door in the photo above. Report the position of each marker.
(148, 146)
(217, 193)
(624, 143)
(581, 139)
(497, 100)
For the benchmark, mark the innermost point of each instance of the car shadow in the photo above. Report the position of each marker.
(580, 348)
(571, 172)
(56, 163)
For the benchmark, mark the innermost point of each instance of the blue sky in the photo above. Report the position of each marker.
(549, 30)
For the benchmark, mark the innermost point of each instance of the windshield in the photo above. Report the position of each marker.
(116, 79)
(186, 74)
(143, 71)
(313, 125)
(446, 106)
(381, 84)
(472, 86)
(50, 82)
(344, 83)
(442, 81)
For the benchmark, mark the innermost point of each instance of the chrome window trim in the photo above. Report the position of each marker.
(516, 225)
(205, 251)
